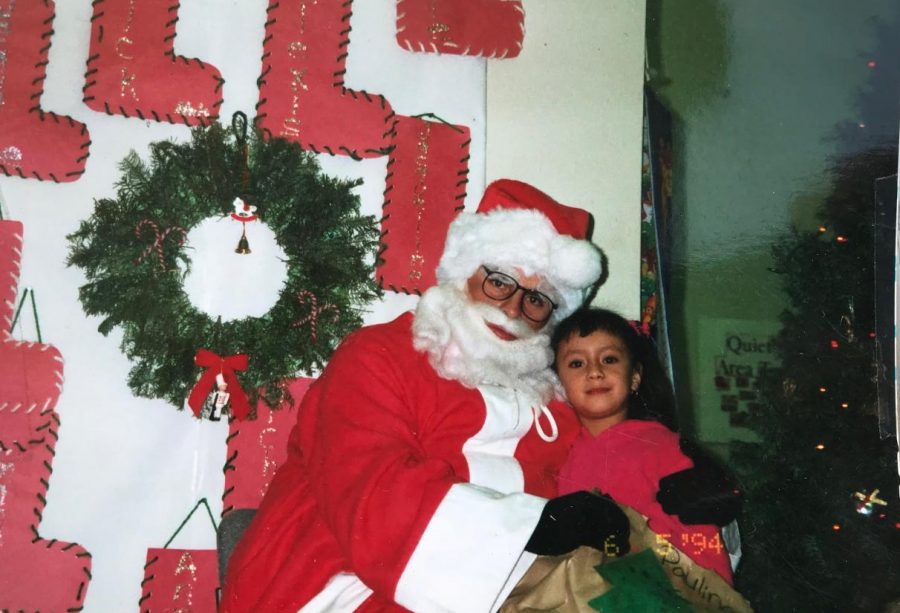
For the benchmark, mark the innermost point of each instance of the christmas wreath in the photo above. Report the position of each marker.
(133, 252)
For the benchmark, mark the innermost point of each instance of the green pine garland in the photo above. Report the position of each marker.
(330, 250)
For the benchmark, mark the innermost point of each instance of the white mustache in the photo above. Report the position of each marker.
(493, 315)
(454, 332)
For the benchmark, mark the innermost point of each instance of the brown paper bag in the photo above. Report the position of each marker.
(567, 583)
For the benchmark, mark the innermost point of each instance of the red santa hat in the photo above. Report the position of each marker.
(519, 226)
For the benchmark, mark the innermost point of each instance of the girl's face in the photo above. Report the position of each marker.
(598, 375)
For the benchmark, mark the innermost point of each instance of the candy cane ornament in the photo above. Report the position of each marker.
(159, 239)
(306, 297)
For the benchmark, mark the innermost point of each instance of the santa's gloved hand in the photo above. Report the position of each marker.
(577, 519)
(704, 494)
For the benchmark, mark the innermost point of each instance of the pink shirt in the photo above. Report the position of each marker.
(626, 462)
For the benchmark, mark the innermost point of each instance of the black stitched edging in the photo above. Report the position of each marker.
(229, 465)
(146, 590)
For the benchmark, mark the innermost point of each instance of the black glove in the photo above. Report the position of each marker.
(704, 494)
(576, 519)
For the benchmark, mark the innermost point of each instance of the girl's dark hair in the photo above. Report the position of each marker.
(654, 399)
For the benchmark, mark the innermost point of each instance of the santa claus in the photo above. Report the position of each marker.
(422, 471)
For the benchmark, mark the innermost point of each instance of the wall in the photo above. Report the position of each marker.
(567, 116)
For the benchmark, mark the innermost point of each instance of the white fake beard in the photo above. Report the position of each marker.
(452, 330)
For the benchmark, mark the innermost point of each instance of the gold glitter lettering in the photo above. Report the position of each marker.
(268, 466)
(2, 74)
(296, 48)
(130, 19)
(437, 27)
(417, 260)
(303, 16)
(4, 470)
(123, 49)
(185, 564)
(187, 109)
(298, 80)
(11, 154)
(128, 84)
(6, 14)
(5, 18)
(291, 127)
(123, 41)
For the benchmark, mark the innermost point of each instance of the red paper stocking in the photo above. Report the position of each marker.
(33, 143)
(301, 90)
(36, 574)
(488, 28)
(256, 448)
(425, 189)
(132, 69)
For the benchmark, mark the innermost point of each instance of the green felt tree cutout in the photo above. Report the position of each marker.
(639, 585)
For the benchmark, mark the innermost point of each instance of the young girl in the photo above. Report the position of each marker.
(615, 383)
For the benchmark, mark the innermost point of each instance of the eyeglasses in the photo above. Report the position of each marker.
(534, 305)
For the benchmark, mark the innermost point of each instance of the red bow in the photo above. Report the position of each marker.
(215, 364)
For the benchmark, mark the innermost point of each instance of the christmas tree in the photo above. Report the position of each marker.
(821, 520)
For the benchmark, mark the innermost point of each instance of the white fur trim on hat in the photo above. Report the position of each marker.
(523, 239)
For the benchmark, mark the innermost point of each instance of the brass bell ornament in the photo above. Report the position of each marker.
(243, 246)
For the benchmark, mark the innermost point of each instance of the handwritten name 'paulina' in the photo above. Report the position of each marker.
(694, 583)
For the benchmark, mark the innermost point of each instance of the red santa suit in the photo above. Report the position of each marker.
(400, 487)
(411, 484)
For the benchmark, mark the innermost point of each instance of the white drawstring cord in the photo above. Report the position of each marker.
(554, 431)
